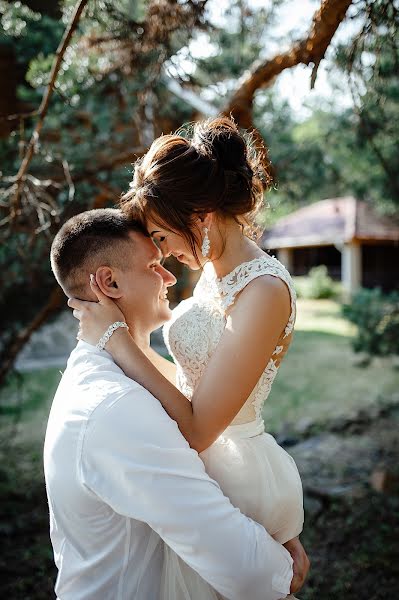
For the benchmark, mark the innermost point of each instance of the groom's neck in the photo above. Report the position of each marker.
(141, 336)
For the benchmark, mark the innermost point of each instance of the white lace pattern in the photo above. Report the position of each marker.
(198, 323)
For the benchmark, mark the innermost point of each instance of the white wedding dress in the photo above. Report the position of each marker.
(258, 476)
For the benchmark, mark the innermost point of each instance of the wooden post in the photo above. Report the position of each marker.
(284, 255)
(351, 272)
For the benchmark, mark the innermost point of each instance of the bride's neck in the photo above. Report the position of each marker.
(236, 249)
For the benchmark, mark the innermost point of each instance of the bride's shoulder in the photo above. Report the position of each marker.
(263, 293)
(265, 289)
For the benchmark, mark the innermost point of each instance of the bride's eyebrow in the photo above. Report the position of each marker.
(155, 231)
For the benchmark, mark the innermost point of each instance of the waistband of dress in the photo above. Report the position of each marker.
(245, 430)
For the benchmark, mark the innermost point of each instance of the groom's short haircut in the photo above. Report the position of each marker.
(87, 241)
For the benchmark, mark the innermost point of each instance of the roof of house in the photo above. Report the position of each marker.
(332, 221)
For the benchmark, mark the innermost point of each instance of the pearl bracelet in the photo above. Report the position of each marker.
(109, 332)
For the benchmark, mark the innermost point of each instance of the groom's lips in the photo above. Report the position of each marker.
(164, 295)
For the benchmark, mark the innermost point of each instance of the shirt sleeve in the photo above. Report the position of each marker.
(136, 460)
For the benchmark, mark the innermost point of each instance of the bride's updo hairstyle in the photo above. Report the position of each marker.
(214, 169)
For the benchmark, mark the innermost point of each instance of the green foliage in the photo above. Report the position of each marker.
(29, 32)
(318, 158)
(25, 393)
(377, 318)
(340, 152)
(236, 45)
(95, 115)
(370, 63)
(317, 285)
(14, 18)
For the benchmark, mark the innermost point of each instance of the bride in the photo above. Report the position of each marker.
(198, 197)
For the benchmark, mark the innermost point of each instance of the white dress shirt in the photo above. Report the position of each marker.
(121, 478)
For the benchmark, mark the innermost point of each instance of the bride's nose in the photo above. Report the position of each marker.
(166, 252)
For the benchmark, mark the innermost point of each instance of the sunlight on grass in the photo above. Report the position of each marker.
(25, 402)
(318, 378)
(322, 315)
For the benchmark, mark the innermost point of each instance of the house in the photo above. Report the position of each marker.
(358, 246)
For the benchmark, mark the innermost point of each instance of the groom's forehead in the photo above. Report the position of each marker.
(145, 247)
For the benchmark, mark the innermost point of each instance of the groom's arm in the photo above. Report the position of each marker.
(138, 462)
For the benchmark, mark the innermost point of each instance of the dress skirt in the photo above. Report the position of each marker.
(262, 480)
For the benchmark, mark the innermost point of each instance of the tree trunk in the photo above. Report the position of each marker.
(54, 303)
(8, 86)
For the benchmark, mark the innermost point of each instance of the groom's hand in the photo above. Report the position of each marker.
(301, 563)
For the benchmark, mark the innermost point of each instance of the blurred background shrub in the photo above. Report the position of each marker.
(317, 285)
(376, 316)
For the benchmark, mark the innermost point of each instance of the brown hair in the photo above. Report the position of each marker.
(215, 169)
(87, 241)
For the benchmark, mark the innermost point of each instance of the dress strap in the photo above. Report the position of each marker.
(227, 288)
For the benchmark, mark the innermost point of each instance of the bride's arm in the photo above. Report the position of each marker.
(252, 331)
(140, 366)
(254, 326)
(164, 366)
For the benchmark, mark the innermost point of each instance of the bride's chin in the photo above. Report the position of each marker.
(193, 265)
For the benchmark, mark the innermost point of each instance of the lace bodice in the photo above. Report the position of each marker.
(198, 323)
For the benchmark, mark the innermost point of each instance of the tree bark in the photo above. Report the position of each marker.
(309, 50)
(8, 84)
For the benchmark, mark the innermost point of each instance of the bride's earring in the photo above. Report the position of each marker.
(206, 244)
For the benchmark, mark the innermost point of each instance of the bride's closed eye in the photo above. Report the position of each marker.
(159, 239)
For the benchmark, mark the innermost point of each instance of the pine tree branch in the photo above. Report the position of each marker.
(42, 111)
(309, 50)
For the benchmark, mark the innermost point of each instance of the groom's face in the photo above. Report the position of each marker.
(145, 284)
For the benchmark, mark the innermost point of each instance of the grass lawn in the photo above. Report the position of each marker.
(26, 559)
(25, 403)
(318, 378)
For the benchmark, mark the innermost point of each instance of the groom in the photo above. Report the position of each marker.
(120, 477)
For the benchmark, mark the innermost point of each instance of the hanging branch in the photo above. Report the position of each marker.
(309, 50)
(42, 111)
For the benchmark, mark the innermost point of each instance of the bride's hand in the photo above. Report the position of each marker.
(301, 563)
(95, 317)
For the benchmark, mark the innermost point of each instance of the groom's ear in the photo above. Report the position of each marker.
(107, 282)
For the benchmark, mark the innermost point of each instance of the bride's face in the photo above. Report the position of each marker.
(174, 244)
